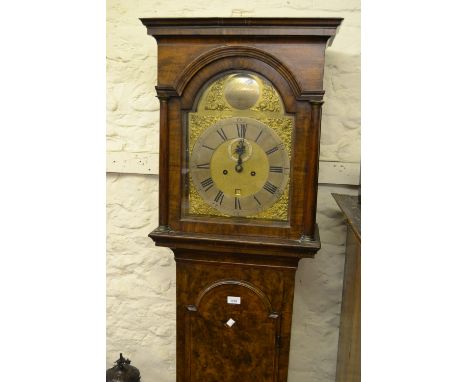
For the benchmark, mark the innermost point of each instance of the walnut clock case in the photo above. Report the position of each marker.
(240, 111)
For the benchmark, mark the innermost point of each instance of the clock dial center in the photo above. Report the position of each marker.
(224, 167)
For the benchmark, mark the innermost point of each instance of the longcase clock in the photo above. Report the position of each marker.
(240, 110)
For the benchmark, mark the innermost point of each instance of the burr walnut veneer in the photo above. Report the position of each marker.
(240, 110)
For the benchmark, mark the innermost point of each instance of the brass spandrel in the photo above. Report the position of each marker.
(283, 126)
(198, 123)
(214, 100)
(279, 210)
(269, 101)
(197, 206)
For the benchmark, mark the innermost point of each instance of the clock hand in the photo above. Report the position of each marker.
(240, 150)
(239, 167)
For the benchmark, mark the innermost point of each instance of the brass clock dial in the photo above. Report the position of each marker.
(239, 166)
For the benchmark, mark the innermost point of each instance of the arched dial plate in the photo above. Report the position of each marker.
(239, 166)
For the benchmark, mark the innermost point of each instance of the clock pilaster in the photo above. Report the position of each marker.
(312, 167)
(163, 164)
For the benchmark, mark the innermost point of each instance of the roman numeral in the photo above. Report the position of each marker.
(237, 205)
(208, 147)
(270, 188)
(276, 169)
(258, 201)
(241, 130)
(258, 136)
(272, 150)
(222, 134)
(207, 183)
(205, 166)
(219, 197)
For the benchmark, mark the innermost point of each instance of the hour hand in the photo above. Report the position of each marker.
(239, 167)
(240, 150)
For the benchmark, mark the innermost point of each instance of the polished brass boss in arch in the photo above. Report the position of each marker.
(242, 91)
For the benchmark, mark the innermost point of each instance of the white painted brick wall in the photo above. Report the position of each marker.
(140, 276)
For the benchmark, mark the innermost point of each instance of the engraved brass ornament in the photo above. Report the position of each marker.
(232, 174)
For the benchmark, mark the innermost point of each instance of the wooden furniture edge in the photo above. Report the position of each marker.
(354, 224)
(260, 26)
(239, 244)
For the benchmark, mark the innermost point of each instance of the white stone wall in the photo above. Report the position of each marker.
(140, 276)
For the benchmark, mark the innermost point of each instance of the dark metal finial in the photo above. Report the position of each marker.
(122, 362)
